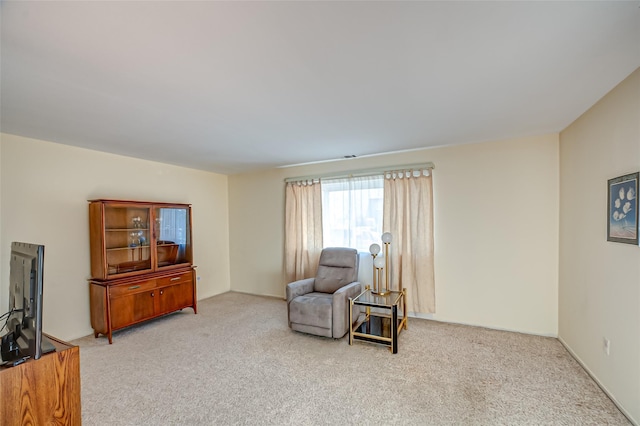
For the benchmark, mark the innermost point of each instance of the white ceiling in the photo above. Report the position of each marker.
(232, 87)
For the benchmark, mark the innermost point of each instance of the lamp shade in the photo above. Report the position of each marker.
(374, 249)
(386, 237)
(378, 262)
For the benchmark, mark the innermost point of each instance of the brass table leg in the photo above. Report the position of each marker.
(404, 308)
(350, 321)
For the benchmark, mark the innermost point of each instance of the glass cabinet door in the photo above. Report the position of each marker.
(127, 238)
(173, 236)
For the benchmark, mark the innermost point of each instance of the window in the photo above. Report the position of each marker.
(352, 212)
(172, 225)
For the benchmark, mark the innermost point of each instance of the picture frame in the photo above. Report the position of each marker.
(622, 209)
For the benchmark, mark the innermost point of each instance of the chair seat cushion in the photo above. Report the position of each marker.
(312, 309)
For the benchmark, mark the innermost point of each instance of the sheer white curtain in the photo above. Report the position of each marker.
(352, 211)
(408, 215)
(303, 229)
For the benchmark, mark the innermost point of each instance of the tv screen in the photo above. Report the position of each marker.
(26, 272)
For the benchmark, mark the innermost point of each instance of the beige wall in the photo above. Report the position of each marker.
(599, 284)
(496, 230)
(45, 188)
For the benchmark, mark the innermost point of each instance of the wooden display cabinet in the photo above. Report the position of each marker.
(141, 262)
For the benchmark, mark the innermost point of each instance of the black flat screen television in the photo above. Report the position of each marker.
(24, 322)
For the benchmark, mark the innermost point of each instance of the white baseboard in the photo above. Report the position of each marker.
(595, 379)
(430, 317)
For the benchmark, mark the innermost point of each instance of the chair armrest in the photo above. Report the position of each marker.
(341, 307)
(298, 288)
(351, 290)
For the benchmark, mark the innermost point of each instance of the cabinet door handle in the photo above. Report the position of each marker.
(134, 287)
(161, 292)
(175, 279)
(152, 294)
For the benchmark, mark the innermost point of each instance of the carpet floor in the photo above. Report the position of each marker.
(236, 362)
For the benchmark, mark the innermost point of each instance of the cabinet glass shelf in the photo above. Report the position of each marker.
(127, 248)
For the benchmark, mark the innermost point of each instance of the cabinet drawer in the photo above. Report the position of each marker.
(132, 288)
(175, 279)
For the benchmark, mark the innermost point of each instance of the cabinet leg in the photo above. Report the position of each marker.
(96, 334)
(110, 338)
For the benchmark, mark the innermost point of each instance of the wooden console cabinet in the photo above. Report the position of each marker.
(45, 391)
(119, 303)
(141, 262)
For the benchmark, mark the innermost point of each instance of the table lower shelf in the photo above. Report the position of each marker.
(377, 328)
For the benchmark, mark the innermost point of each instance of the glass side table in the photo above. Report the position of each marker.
(382, 324)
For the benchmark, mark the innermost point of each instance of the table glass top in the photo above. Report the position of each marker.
(367, 298)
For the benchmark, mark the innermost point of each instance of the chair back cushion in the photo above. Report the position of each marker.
(338, 267)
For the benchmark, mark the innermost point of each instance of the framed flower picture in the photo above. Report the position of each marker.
(622, 209)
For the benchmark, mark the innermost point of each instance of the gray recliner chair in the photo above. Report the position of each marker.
(320, 305)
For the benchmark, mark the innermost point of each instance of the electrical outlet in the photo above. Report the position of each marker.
(606, 345)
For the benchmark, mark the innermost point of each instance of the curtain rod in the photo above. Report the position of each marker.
(363, 172)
